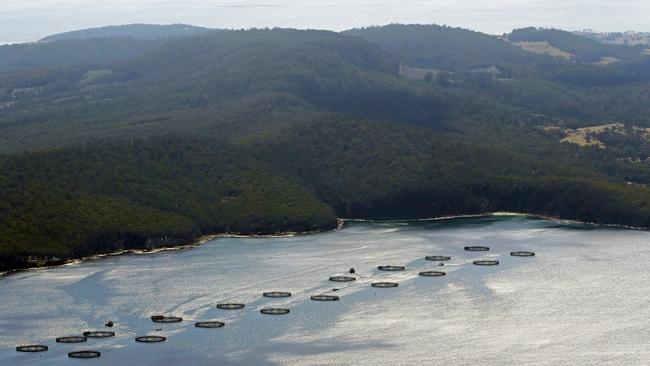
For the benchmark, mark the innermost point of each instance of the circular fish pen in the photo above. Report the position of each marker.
(325, 298)
(476, 248)
(166, 319)
(275, 311)
(150, 339)
(432, 274)
(71, 339)
(342, 279)
(437, 258)
(522, 254)
(99, 334)
(232, 306)
(32, 348)
(84, 354)
(384, 284)
(486, 262)
(210, 324)
(276, 294)
(391, 268)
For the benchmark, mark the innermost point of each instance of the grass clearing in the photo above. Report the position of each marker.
(581, 136)
(544, 48)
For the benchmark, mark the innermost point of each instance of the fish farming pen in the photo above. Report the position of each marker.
(384, 284)
(84, 354)
(325, 298)
(476, 248)
(432, 273)
(391, 268)
(486, 262)
(342, 279)
(275, 311)
(216, 324)
(276, 294)
(522, 254)
(210, 324)
(437, 258)
(166, 319)
(99, 334)
(71, 339)
(150, 339)
(32, 348)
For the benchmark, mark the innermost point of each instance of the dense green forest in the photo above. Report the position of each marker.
(141, 137)
(446, 48)
(99, 53)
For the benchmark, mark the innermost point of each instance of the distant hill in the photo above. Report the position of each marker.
(582, 49)
(308, 70)
(136, 31)
(442, 47)
(110, 87)
(96, 46)
(629, 38)
(98, 52)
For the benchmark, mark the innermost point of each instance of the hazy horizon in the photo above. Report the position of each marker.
(22, 21)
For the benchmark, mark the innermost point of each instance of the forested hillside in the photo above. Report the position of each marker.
(265, 131)
(289, 72)
(37, 57)
(568, 92)
(444, 48)
(137, 31)
(582, 48)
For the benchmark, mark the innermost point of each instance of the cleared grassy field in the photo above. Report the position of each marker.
(543, 48)
(580, 136)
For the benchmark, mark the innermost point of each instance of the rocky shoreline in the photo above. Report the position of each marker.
(12, 265)
(35, 262)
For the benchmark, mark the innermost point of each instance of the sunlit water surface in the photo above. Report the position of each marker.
(583, 299)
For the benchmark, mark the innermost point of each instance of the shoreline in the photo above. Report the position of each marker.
(340, 224)
(503, 214)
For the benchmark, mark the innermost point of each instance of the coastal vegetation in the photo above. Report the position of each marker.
(112, 141)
